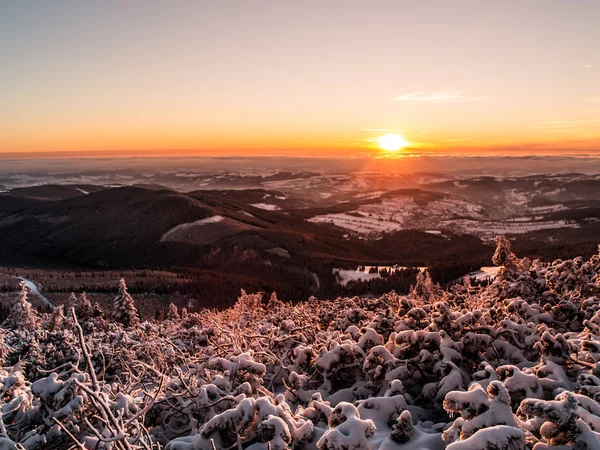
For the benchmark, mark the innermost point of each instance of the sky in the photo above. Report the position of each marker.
(301, 78)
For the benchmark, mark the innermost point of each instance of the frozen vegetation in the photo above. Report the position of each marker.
(512, 365)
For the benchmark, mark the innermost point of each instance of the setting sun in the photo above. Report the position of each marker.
(392, 142)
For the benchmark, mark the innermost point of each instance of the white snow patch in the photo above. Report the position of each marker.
(370, 195)
(365, 273)
(485, 273)
(401, 213)
(363, 225)
(354, 275)
(184, 226)
(266, 206)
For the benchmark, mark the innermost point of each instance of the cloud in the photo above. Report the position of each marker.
(588, 66)
(438, 97)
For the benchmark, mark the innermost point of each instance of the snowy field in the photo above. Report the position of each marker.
(400, 213)
(485, 273)
(358, 224)
(453, 214)
(364, 273)
(345, 275)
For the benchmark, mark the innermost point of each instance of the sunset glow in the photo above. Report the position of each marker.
(392, 142)
(299, 78)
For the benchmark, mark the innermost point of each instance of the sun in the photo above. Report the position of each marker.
(392, 142)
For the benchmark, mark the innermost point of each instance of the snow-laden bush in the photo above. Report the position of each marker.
(511, 365)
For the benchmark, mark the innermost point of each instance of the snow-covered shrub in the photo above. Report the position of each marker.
(511, 365)
(347, 431)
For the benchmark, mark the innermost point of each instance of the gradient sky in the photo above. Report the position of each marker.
(309, 77)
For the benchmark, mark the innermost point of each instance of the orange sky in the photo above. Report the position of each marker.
(307, 78)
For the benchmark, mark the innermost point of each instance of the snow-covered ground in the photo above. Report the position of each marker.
(188, 225)
(449, 213)
(369, 195)
(266, 206)
(346, 275)
(401, 213)
(364, 273)
(361, 225)
(485, 273)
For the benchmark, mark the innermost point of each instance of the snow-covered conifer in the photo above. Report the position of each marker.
(22, 315)
(124, 310)
(173, 312)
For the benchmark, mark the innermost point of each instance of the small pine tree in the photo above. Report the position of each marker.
(83, 307)
(72, 301)
(124, 310)
(57, 318)
(503, 256)
(274, 302)
(424, 289)
(173, 313)
(22, 315)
